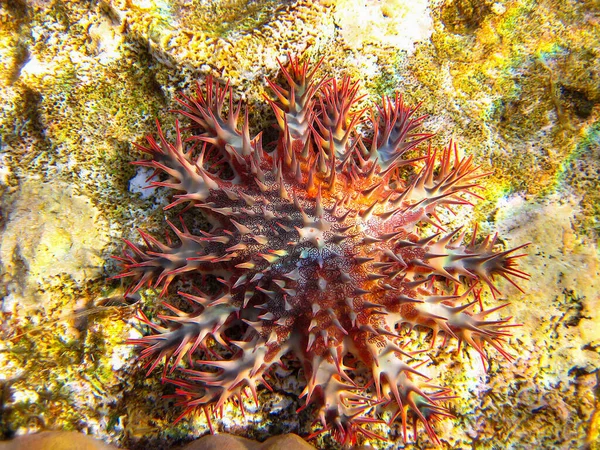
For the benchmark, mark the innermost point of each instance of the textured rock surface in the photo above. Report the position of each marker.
(229, 442)
(55, 440)
(50, 231)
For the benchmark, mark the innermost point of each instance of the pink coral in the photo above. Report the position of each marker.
(319, 252)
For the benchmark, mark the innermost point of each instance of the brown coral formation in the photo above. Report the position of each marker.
(62, 440)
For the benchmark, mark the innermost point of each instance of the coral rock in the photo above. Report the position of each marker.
(229, 442)
(55, 440)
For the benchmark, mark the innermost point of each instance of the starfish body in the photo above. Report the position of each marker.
(318, 250)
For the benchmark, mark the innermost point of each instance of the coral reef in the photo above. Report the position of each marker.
(331, 250)
(516, 81)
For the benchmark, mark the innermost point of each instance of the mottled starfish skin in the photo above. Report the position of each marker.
(317, 248)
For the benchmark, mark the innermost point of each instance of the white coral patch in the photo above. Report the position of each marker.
(394, 23)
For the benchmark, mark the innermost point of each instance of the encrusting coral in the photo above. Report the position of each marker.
(319, 252)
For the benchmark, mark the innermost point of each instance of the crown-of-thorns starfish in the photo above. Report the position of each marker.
(319, 252)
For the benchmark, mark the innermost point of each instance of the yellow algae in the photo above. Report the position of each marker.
(511, 66)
